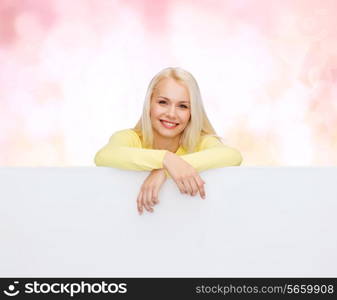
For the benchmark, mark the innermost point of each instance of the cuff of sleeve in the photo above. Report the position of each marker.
(162, 165)
(167, 173)
(162, 159)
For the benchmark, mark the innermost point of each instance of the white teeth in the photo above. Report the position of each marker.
(170, 124)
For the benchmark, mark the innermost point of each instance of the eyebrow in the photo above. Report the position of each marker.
(170, 100)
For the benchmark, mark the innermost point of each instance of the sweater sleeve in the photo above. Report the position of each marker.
(213, 154)
(124, 152)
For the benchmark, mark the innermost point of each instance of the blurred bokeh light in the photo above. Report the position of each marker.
(73, 72)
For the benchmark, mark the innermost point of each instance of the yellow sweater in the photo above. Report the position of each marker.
(125, 151)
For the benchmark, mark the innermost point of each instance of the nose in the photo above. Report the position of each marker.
(171, 111)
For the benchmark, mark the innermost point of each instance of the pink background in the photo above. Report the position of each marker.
(73, 72)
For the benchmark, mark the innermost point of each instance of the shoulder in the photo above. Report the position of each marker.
(125, 135)
(126, 132)
(207, 141)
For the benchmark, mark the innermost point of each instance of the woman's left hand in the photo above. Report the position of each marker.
(185, 176)
(148, 195)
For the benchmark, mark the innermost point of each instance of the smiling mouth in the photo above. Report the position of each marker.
(169, 125)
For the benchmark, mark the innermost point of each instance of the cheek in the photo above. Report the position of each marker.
(155, 111)
(153, 114)
(185, 117)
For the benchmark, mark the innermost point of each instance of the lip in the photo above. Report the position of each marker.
(167, 127)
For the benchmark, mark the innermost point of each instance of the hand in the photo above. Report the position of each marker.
(148, 195)
(184, 175)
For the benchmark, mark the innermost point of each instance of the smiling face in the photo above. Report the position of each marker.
(170, 110)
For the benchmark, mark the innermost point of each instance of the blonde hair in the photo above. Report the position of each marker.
(198, 125)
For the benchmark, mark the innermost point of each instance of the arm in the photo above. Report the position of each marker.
(184, 169)
(148, 195)
(124, 151)
(213, 154)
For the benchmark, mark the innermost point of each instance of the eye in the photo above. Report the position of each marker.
(183, 106)
(162, 102)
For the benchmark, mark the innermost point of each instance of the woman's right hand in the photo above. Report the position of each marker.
(184, 175)
(148, 195)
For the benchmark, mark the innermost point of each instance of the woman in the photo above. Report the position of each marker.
(172, 138)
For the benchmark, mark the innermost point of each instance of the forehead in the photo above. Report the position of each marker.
(171, 89)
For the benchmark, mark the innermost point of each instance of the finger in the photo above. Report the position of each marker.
(139, 203)
(155, 199)
(194, 186)
(181, 186)
(188, 186)
(147, 206)
(148, 200)
(143, 200)
(201, 187)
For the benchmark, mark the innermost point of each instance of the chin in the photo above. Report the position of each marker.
(169, 134)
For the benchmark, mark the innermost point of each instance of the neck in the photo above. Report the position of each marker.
(161, 143)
